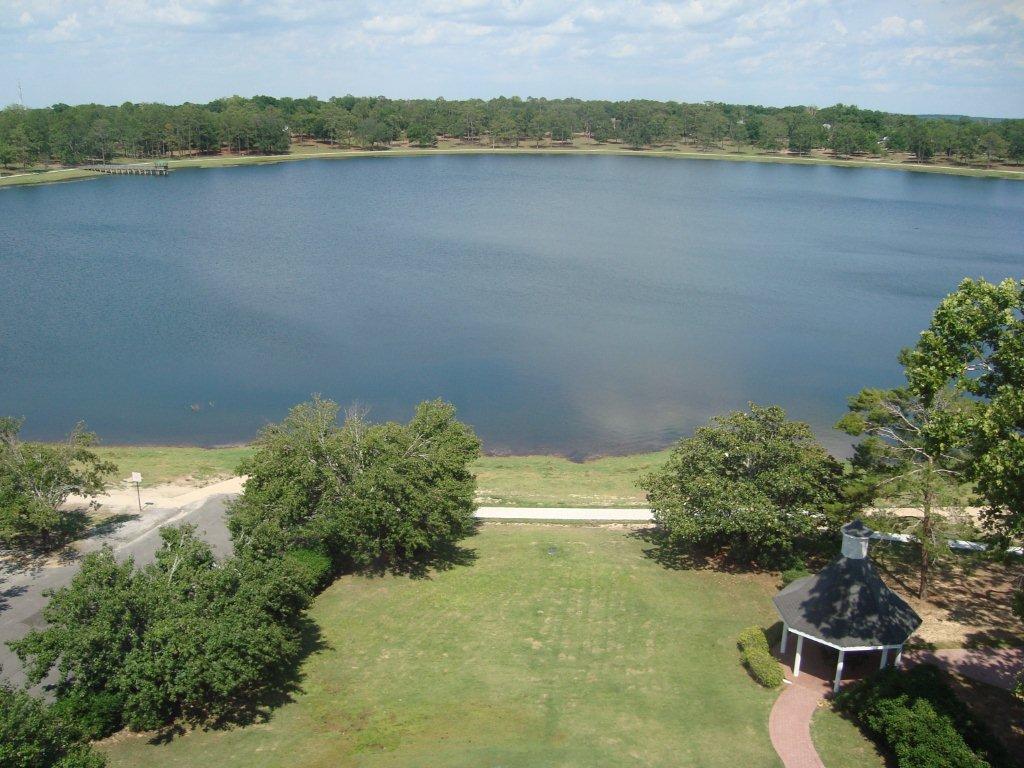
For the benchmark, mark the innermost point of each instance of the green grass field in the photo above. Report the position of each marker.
(841, 744)
(510, 481)
(557, 646)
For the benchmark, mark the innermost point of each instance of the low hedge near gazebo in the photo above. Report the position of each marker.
(847, 607)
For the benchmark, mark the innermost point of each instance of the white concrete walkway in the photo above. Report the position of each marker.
(563, 513)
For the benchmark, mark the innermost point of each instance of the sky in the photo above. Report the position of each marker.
(942, 56)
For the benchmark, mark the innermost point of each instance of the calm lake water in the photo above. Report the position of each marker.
(578, 305)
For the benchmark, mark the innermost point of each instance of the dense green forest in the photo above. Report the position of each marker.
(263, 124)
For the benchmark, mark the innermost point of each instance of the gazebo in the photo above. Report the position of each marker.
(847, 607)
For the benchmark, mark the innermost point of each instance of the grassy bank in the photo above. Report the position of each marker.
(511, 481)
(553, 646)
(579, 147)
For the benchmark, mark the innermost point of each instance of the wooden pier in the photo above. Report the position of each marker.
(139, 169)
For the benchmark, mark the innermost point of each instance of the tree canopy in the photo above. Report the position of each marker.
(362, 492)
(37, 478)
(32, 735)
(975, 344)
(183, 638)
(264, 124)
(751, 483)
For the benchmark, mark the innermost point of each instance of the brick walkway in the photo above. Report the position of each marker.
(789, 725)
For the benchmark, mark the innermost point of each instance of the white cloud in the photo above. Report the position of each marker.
(897, 26)
(766, 51)
(63, 30)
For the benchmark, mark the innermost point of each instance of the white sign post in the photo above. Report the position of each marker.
(136, 478)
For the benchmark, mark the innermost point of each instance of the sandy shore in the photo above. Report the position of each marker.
(163, 496)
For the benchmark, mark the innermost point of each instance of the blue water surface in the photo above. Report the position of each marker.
(578, 305)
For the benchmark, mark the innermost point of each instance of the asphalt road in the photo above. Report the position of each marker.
(22, 590)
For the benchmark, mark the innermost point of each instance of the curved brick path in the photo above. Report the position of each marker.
(789, 725)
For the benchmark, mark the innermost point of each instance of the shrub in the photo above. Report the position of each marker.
(752, 638)
(764, 668)
(757, 657)
(918, 716)
(314, 567)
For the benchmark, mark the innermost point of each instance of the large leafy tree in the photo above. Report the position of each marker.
(975, 344)
(753, 483)
(184, 638)
(364, 492)
(37, 478)
(905, 455)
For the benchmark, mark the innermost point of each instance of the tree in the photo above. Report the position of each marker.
(32, 736)
(185, 638)
(975, 343)
(217, 635)
(92, 626)
(994, 145)
(919, 141)
(364, 492)
(904, 455)
(420, 135)
(37, 478)
(753, 483)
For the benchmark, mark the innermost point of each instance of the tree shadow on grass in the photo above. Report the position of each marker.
(280, 690)
(443, 557)
(669, 554)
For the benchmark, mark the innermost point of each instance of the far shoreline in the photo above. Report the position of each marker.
(32, 178)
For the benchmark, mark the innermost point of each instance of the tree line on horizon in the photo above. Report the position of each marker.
(266, 125)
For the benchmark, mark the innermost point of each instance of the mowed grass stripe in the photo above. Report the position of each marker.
(558, 646)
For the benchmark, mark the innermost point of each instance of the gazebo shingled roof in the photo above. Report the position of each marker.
(847, 605)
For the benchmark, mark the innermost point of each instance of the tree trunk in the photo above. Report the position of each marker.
(926, 533)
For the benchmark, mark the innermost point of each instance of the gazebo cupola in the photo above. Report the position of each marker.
(846, 606)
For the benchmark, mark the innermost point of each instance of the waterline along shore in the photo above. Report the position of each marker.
(310, 152)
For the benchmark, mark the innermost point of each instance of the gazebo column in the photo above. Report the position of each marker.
(899, 657)
(839, 671)
(799, 651)
(785, 637)
(885, 658)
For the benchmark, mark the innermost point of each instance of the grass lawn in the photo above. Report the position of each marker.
(510, 481)
(551, 481)
(558, 646)
(841, 744)
(164, 464)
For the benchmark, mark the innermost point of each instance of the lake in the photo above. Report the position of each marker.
(565, 304)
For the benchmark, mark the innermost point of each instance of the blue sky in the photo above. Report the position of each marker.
(956, 56)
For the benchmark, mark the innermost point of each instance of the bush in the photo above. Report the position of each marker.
(757, 657)
(95, 715)
(752, 638)
(315, 568)
(917, 715)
